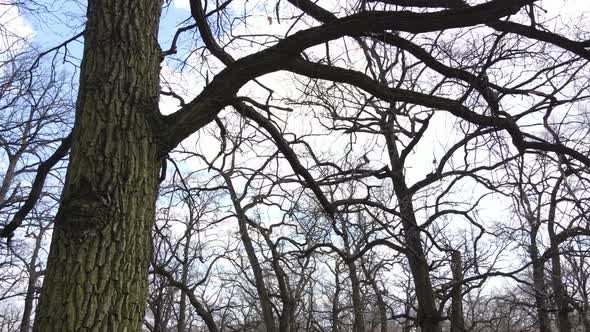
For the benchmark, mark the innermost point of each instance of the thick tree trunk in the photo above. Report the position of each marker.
(584, 315)
(96, 276)
(427, 316)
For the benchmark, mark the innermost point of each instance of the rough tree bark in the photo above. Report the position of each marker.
(97, 266)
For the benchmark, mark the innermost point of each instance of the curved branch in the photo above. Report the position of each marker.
(8, 230)
(220, 92)
(201, 310)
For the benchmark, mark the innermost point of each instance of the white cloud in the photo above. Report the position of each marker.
(14, 28)
(181, 4)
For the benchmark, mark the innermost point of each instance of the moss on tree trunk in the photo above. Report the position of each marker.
(99, 256)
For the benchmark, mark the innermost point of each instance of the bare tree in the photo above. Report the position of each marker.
(320, 184)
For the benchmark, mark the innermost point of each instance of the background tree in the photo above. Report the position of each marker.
(310, 193)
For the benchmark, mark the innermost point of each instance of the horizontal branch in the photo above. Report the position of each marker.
(364, 82)
(219, 93)
(422, 3)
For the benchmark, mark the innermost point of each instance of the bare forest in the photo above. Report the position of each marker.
(295, 165)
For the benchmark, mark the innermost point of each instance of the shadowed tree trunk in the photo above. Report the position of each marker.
(355, 285)
(539, 282)
(427, 315)
(97, 266)
(181, 325)
(559, 292)
(25, 325)
(457, 318)
(379, 301)
(263, 294)
(335, 312)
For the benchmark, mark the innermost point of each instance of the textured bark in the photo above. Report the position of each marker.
(99, 256)
(457, 318)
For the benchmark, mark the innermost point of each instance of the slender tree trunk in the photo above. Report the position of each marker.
(582, 309)
(539, 283)
(357, 303)
(181, 322)
(287, 321)
(559, 291)
(586, 308)
(263, 295)
(335, 314)
(264, 298)
(25, 325)
(8, 177)
(14, 158)
(310, 311)
(427, 316)
(160, 305)
(457, 318)
(96, 276)
(380, 302)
